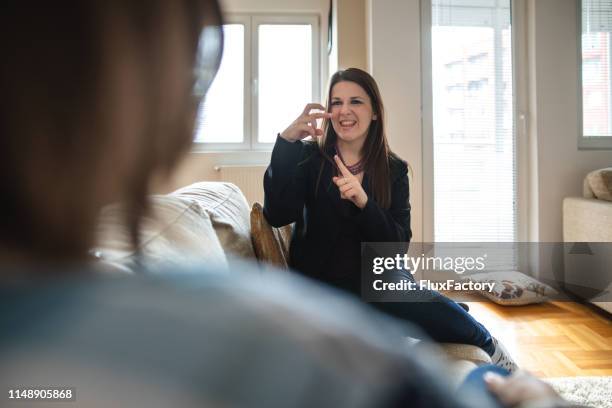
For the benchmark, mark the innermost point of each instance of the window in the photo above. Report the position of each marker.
(269, 71)
(596, 84)
(474, 163)
(221, 117)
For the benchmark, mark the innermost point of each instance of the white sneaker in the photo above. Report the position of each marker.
(501, 357)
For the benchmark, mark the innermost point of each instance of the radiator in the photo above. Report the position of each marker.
(248, 178)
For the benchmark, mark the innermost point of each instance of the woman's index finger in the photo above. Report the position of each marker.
(345, 172)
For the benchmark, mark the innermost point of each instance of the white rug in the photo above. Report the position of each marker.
(591, 391)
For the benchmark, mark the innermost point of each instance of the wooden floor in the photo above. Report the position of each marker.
(557, 339)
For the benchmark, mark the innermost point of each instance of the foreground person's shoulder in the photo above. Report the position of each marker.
(216, 331)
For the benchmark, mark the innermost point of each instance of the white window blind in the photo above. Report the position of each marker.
(596, 60)
(473, 121)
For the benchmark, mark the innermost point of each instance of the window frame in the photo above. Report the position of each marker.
(586, 142)
(251, 23)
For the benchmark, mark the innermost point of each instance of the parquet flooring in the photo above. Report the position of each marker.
(556, 339)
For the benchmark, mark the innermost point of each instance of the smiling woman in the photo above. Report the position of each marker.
(344, 189)
(348, 188)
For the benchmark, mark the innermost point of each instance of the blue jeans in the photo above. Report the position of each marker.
(441, 318)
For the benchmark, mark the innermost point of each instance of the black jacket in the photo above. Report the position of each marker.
(326, 241)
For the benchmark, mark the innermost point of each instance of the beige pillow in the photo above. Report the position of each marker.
(271, 244)
(176, 232)
(513, 288)
(598, 184)
(229, 213)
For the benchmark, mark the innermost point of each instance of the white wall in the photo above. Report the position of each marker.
(560, 166)
(394, 54)
(271, 6)
(350, 34)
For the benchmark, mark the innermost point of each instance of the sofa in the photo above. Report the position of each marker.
(209, 223)
(205, 223)
(588, 219)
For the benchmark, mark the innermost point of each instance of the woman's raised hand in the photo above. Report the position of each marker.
(350, 186)
(306, 124)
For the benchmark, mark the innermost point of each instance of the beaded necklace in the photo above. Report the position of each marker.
(355, 168)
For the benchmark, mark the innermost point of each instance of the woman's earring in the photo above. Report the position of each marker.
(374, 117)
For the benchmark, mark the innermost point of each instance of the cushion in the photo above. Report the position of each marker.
(229, 212)
(271, 244)
(513, 288)
(598, 184)
(458, 351)
(175, 232)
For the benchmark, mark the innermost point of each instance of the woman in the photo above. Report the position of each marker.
(348, 188)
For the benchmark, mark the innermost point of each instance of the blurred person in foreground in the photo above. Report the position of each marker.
(97, 101)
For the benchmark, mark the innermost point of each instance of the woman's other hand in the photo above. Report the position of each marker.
(350, 186)
(306, 124)
(520, 388)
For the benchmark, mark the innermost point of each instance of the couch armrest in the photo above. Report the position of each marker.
(587, 220)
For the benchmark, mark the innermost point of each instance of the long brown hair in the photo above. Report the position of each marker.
(65, 150)
(376, 148)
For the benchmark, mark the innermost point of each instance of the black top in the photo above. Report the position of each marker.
(326, 241)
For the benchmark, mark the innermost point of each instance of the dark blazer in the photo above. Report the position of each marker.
(326, 240)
